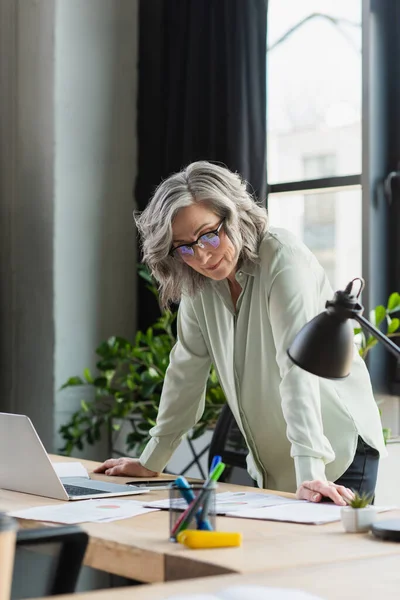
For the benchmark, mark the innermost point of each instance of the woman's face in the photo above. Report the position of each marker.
(214, 262)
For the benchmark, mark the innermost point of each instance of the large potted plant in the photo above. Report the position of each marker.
(126, 389)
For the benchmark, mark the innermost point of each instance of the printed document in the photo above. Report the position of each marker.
(228, 502)
(303, 512)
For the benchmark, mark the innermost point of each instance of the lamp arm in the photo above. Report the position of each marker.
(391, 346)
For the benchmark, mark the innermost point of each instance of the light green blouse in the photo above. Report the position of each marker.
(297, 426)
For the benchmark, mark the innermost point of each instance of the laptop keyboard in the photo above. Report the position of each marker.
(75, 490)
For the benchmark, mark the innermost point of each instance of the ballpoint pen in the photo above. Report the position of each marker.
(186, 491)
(202, 520)
(189, 513)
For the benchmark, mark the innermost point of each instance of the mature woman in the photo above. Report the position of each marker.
(245, 290)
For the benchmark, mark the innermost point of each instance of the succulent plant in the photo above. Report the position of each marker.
(360, 500)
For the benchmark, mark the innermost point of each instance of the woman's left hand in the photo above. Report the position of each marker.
(315, 490)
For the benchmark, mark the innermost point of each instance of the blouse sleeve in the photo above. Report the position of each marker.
(294, 299)
(183, 394)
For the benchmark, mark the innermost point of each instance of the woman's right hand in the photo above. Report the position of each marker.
(126, 467)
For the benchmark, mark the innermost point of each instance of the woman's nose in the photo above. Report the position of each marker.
(203, 253)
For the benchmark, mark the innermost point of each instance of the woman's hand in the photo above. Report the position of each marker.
(314, 491)
(128, 467)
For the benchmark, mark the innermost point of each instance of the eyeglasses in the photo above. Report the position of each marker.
(210, 238)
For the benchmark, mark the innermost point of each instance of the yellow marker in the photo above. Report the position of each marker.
(209, 539)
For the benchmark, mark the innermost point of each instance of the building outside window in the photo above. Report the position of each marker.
(314, 129)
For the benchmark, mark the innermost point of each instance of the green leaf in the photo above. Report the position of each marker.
(371, 342)
(87, 375)
(393, 325)
(394, 302)
(380, 315)
(72, 381)
(145, 274)
(360, 500)
(107, 365)
(387, 434)
(100, 382)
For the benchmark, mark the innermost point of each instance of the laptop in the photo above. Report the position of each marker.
(26, 467)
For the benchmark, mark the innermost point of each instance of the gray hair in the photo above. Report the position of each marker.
(222, 191)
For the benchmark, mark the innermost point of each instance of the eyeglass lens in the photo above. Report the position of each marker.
(211, 239)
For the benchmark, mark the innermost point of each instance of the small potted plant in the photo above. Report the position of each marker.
(359, 514)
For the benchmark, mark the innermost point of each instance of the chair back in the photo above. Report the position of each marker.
(228, 442)
(48, 561)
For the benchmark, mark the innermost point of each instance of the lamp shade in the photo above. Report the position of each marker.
(324, 346)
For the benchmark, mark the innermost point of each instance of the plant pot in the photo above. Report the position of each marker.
(356, 520)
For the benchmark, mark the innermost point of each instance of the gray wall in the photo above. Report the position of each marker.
(67, 168)
(27, 159)
(95, 164)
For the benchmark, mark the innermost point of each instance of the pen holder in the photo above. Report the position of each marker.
(191, 507)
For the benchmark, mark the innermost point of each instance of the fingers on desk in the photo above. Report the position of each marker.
(315, 491)
(107, 464)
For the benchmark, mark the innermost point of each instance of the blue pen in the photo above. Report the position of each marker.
(188, 494)
(202, 520)
(184, 488)
(203, 523)
(215, 461)
(193, 508)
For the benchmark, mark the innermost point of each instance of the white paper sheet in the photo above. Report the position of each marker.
(301, 512)
(232, 501)
(104, 510)
(70, 469)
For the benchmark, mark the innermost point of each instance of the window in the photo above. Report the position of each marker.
(324, 223)
(314, 128)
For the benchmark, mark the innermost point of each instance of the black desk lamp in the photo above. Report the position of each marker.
(325, 346)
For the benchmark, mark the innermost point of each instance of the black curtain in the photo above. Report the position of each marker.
(202, 95)
(381, 172)
(392, 43)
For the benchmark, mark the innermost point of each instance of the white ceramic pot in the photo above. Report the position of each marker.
(356, 520)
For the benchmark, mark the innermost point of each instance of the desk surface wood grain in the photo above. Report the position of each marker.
(138, 548)
(355, 579)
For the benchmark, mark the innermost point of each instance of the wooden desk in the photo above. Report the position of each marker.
(138, 548)
(366, 579)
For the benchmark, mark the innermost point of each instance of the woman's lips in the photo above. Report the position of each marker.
(214, 266)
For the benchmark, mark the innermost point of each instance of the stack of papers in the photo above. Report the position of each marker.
(304, 512)
(310, 513)
(232, 502)
(268, 507)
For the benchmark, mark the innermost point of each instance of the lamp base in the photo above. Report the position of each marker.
(387, 530)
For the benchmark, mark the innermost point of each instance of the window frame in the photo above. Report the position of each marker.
(380, 158)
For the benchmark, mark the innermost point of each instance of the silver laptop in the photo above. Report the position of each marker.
(26, 467)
